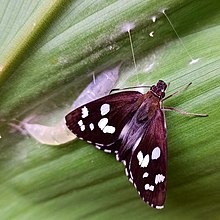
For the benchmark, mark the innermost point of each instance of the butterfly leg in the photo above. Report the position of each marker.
(177, 92)
(183, 112)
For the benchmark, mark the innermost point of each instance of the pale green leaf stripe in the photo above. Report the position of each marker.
(26, 23)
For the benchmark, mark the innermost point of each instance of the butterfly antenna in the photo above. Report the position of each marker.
(183, 45)
(177, 92)
(132, 49)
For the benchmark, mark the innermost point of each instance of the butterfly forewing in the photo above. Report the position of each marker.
(100, 122)
(132, 126)
(148, 164)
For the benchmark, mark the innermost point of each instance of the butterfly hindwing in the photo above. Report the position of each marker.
(101, 121)
(148, 163)
(131, 125)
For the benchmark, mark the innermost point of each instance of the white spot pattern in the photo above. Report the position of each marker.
(149, 187)
(155, 153)
(105, 108)
(143, 161)
(85, 112)
(102, 123)
(117, 157)
(159, 207)
(82, 127)
(131, 175)
(104, 127)
(131, 180)
(159, 178)
(126, 172)
(146, 174)
(134, 185)
(98, 147)
(80, 123)
(140, 157)
(107, 151)
(91, 126)
(109, 129)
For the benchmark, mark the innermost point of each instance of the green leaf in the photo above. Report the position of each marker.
(49, 50)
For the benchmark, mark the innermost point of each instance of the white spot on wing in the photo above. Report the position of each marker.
(126, 172)
(131, 175)
(85, 112)
(91, 126)
(155, 153)
(82, 128)
(117, 157)
(131, 180)
(140, 157)
(98, 147)
(109, 129)
(102, 123)
(80, 123)
(149, 187)
(159, 178)
(159, 207)
(145, 161)
(146, 174)
(105, 108)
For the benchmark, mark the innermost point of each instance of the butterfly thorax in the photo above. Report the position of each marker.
(148, 104)
(135, 128)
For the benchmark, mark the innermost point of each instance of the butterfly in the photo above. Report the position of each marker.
(132, 126)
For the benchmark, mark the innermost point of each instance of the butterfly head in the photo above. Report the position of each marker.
(159, 89)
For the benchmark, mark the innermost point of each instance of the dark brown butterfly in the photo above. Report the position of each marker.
(132, 126)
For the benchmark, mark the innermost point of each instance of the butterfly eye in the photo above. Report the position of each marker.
(162, 95)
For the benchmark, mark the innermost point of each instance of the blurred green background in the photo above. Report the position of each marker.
(48, 50)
